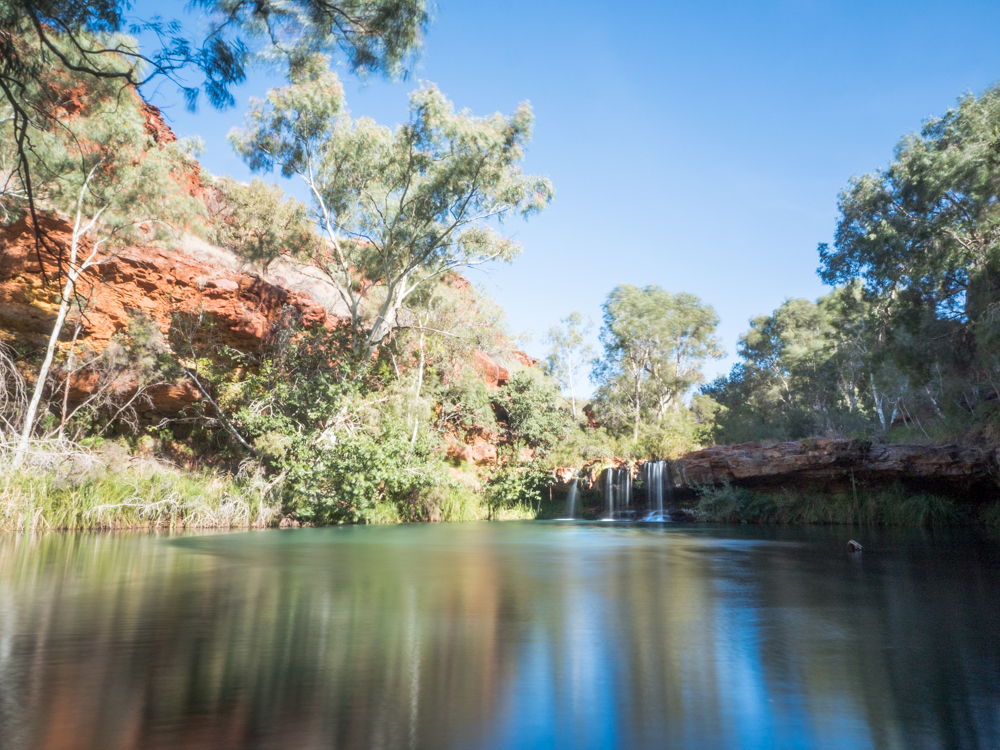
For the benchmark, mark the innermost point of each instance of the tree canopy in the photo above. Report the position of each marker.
(398, 206)
(570, 354)
(655, 344)
(96, 40)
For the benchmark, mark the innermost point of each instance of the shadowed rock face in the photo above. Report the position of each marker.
(834, 465)
(824, 465)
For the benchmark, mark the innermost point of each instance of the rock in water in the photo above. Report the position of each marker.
(853, 546)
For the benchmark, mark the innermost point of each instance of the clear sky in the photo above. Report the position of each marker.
(699, 146)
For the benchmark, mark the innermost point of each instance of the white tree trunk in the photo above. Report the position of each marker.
(877, 398)
(572, 395)
(43, 373)
(416, 395)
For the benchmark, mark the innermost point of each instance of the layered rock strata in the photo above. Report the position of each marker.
(827, 466)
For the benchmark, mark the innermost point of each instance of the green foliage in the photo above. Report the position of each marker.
(400, 207)
(516, 485)
(105, 488)
(908, 349)
(807, 369)
(570, 353)
(95, 161)
(678, 432)
(893, 506)
(258, 221)
(655, 344)
(454, 502)
(348, 481)
(532, 408)
(376, 36)
(921, 237)
(312, 415)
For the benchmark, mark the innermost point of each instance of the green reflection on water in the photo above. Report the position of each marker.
(500, 635)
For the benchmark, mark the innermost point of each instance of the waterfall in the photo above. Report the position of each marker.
(617, 491)
(609, 491)
(659, 483)
(571, 497)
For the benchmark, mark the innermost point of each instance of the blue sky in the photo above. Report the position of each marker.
(698, 146)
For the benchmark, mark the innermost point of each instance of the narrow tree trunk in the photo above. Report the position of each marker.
(43, 373)
(416, 395)
(572, 395)
(635, 431)
(877, 398)
(69, 375)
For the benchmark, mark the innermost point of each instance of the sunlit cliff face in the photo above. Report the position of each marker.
(492, 636)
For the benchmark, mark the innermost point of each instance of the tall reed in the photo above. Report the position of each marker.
(62, 486)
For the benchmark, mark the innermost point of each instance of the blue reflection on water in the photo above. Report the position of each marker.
(501, 636)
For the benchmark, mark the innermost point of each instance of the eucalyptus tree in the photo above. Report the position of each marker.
(252, 219)
(812, 368)
(89, 40)
(655, 344)
(111, 182)
(922, 235)
(570, 353)
(398, 207)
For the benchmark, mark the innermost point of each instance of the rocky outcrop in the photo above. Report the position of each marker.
(837, 465)
(819, 464)
(162, 284)
(150, 280)
(478, 445)
(492, 373)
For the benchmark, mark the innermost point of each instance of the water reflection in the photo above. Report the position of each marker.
(497, 636)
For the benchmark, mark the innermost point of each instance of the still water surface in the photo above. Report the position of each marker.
(504, 635)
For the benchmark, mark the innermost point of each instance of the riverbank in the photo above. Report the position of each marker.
(66, 487)
(69, 488)
(888, 506)
(133, 495)
(894, 505)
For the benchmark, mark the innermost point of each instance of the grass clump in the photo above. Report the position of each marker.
(893, 506)
(71, 488)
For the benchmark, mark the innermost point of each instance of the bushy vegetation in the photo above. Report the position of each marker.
(906, 348)
(894, 506)
(353, 421)
(655, 344)
(347, 422)
(60, 487)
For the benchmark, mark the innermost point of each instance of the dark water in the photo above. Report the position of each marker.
(501, 636)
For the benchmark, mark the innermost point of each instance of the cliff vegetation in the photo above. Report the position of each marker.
(183, 348)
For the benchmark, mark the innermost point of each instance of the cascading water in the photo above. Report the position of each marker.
(609, 492)
(659, 484)
(617, 491)
(571, 497)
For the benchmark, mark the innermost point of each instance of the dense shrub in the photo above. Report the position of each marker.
(516, 485)
(892, 506)
(533, 410)
(348, 480)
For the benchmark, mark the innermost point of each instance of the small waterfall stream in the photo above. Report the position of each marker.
(659, 485)
(571, 497)
(618, 492)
